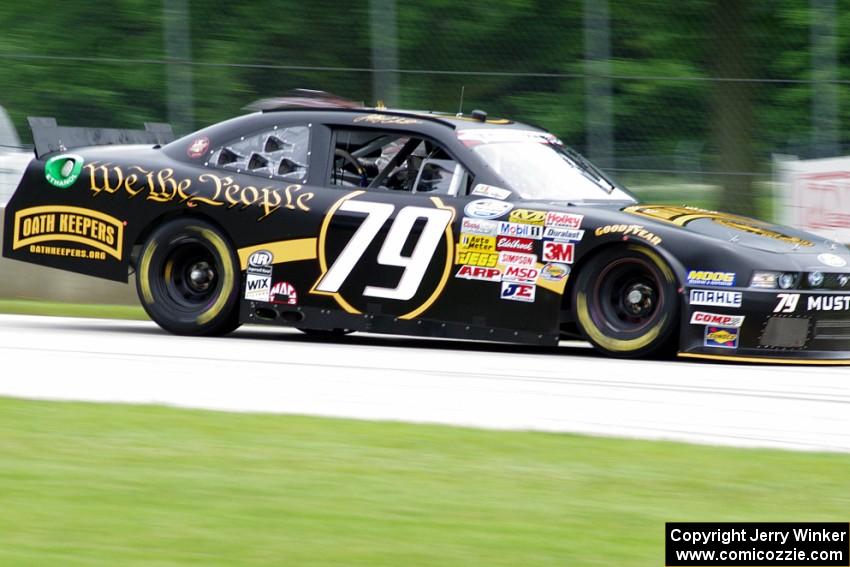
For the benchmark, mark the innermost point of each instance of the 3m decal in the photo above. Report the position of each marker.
(716, 297)
(515, 244)
(517, 259)
(721, 337)
(487, 208)
(54, 223)
(706, 278)
(520, 274)
(484, 259)
(629, 230)
(562, 252)
(521, 230)
(257, 287)
(198, 147)
(518, 292)
(527, 216)
(61, 171)
(283, 293)
(703, 318)
(161, 186)
(478, 226)
(478, 273)
(491, 191)
(681, 216)
(563, 220)
(557, 233)
(787, 302)
(407, 261)
(554, 272)
(470, 242)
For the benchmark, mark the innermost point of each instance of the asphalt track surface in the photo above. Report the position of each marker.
(564, 389)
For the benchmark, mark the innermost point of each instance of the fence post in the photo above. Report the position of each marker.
(177, 42)
(383, 36)
(824, 47)
(599, 105)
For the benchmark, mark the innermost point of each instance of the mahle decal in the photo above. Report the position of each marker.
(61, 171)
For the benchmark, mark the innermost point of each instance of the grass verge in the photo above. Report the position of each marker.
(104, 485)
(57, 309)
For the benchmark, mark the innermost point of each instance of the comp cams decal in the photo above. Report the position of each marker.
(703, 318)
(95, 234)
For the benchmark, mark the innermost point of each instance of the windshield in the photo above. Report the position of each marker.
(538, 166)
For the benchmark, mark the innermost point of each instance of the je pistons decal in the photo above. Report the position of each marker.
(377, 253)
(98, 233)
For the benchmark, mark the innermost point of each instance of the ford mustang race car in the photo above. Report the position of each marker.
(332, 217)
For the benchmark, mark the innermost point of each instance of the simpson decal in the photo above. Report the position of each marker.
(85, 227)
(517, 259)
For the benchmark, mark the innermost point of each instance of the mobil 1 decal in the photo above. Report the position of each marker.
(379, 254)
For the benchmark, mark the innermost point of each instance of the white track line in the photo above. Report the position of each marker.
(569, 389)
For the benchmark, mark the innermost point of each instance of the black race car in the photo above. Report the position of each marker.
(331, 217)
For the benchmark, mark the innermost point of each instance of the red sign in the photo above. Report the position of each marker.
(515, 244)
(558, 252)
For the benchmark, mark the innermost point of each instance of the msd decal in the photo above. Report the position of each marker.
(518, 292)
(702, 318)
(558, 252)
(479, 273)
(520, 274)
(563, 220)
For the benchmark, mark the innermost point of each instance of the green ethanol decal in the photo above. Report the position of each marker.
(62, 171)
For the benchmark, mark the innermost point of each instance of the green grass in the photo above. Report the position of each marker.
(107, 485)
(57, 309)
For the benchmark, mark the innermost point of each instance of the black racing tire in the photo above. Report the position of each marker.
(626, 302)
(188, 278)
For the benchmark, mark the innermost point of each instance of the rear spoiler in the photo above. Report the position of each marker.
(48, 136)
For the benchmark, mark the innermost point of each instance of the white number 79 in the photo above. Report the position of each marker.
(415, 265)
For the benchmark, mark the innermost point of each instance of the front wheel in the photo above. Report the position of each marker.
(626, 302)
(188, 279)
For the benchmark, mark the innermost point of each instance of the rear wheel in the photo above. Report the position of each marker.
(188, 279)
(626, 302)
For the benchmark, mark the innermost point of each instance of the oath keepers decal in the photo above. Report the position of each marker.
(39, 228)
(373, 252)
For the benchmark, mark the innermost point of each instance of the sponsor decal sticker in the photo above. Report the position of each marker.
(198, 147)
(518, 291)
(260, 262)
(716, 297)
(562, 252)
(563, 220)
(563, 233)
(703, 318)
(527, 216)
(487, 208)
(629, 230)
(521, 230)
(554, 272)
(479, 273)
(61, 171)
(478, 226)
(515, 244)
(786, 302)
(282, 293)
(718, 279)
(721, 337)
(483, 259)
(477, 242)
(386, 119)
(491, 191)
(833, 260)
(520, 274)
(257, 287)
(517, 259)
(92, 229)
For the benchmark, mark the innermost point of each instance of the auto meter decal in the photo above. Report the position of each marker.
(372, 250)
(61, 171)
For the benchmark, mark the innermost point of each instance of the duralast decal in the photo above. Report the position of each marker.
(681, 216)
(210, 189)
(99, 233)
(629, 230)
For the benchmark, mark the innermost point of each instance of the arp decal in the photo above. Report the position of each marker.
(350, 262)
(283, 293)
(563, 220)
(562, 252)
(717, 297)
(478, 273)
(209, 189)
(703, 318)
(721, 337)
(518, 292)
(62, 170)
(487, 209)
(709, 278)
(629, 230)
(527, 216)
(94, 230)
